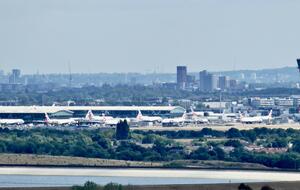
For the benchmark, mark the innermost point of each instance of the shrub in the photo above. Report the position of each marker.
(243, 186)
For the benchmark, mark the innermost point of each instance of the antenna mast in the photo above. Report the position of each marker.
(70, 74)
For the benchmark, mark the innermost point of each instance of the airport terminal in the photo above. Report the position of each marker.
(33, 113)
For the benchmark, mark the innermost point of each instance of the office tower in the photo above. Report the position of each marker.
(190, 80)
(212, 82)
(181, 77)
(202, 79)
(15, 76)
(223, 82)
(207, 81)
(233, 83)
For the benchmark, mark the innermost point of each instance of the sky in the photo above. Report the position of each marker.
(91, 36)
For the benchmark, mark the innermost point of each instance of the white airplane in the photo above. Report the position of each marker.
(256, 119)
(178, 121)
(11, 121)
(107, 120)
(59, 121)
(196, 117)
(197, 113)
(91, 118)
(142, 118)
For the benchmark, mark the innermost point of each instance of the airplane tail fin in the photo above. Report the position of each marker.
(89, 115)
(47, 119)
(139, 115)
(184, 115)
(240, 114)
(270, 114)
(193, 112)
(103, 117)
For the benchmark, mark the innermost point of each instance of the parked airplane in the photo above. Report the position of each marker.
(141, 118)
(197, 113)
(178, 121)
(11, 121)
(196, 117)
(106, 120)
(200, 120)
(256, 119)
(59, 121)
(91, 118)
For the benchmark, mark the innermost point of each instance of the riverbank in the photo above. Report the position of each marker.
(32, 160)
(254, 186)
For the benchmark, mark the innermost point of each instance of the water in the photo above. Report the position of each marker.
(52, 181)
(50, 177)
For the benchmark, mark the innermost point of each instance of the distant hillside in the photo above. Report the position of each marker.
(285, 74)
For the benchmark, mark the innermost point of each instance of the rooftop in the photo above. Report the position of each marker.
(53, 109)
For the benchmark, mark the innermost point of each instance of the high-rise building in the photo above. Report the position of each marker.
(207, 81)
(190, 80)
(181, 77)
(233, 84)
(15, 76)
(212, 82)
(202, 79)
(298, 63)
(223, 82)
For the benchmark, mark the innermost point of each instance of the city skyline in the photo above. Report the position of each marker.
(172, 71)
(144, 36)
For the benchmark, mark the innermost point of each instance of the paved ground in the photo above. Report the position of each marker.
(254, 186)
(219, 127)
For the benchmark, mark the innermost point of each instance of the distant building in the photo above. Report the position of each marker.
(296, 100)
(207, 81)
(242, 76)
(169, 85)
(15, 76)
(233, 84)
(191, 79)
(32, 113)
(181, 77)
(262, 102)
(223, 82)
(253, 76)
(284, 102)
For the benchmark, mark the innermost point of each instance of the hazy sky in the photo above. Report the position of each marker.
(146, 36)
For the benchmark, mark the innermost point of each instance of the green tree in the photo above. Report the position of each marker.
(233, 133)
(243, 186)
(233, 143)
(267, 188)
(89, 185)
(296, 146)
(113, 186)
(122, 130)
